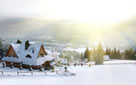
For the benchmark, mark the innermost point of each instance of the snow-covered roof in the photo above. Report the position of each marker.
(33, 50)
(106, 57)
(43, 59)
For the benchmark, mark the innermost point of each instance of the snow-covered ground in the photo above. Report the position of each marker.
(114, 62)
(113, 73)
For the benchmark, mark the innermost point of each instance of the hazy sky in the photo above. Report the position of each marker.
(104, 20)
(98, 11)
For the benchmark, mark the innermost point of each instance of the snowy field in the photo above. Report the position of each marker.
(113, 73)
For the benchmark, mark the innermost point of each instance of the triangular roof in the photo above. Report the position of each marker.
(33, 50)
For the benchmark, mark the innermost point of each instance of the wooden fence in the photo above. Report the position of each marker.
(2, 73)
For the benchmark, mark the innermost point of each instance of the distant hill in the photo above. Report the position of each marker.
(117, 35)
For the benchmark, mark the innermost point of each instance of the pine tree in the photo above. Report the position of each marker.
(110, 51)
(82, 57)
(132, 54)
(107, 51)
(1, 44)
(135, 55)
(114, 53)
(118, 54)
(126, 54)
(87, 54)
(1, 49)
(93, 54)
(129, 54)
(99, 58)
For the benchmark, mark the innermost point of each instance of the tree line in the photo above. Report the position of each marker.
(3, 48)
(96, 54)
(129, 54)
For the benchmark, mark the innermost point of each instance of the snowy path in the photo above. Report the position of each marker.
(96, 75)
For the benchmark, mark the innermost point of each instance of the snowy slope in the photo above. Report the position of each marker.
(118, 74)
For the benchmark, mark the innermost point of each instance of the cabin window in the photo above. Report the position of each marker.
(28, 56)
(14, 56)
(52, 60)
(41, 54)
(33, 51)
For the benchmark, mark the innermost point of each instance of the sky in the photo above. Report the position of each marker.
(97, 11)
(95, 20)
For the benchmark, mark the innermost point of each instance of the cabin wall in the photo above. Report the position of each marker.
(42, 51)
(11, 52)
(18, 65)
